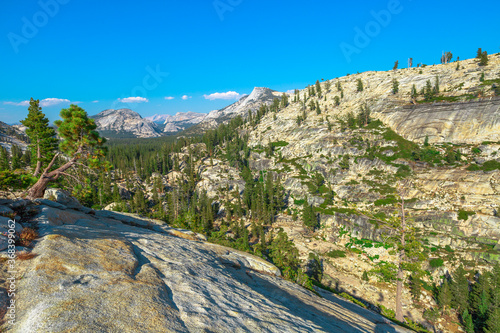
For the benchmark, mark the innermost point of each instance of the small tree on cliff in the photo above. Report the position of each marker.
(410, 254)
(80, 141)
(409, 248)
(43, 141)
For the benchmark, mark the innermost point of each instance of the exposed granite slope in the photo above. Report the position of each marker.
(107, 272)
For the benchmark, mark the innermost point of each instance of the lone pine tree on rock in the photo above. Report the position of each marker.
(43, 138)
(80, 141)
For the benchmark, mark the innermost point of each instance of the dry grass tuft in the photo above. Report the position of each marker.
(27, 236)
(26, 255)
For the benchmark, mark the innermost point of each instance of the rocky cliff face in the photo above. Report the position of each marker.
(103, 271)
(454, 207)
(467, 122)
(251, 102)
(12, 135)
(125, 122)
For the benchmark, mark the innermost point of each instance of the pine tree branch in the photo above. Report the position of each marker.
(51, 164)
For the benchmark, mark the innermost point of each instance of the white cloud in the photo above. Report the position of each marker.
(225, 95)
(169, 98)
(23, 103)
(44, 102)
(133, 100)
(95, 101)
(53, 101)
(186, 97)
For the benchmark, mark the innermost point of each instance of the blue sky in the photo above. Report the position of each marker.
(161, 56)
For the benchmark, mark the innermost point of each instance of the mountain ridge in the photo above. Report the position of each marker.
(125, 122)
(128, 123)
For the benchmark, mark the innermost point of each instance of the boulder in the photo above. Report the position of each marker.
(62, 197)
(6, 224)
(5, 211)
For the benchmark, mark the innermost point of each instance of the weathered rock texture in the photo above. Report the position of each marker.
(108, 272)
(467, 122)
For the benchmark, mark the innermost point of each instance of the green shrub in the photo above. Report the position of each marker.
(336, 254)
(386, 271)
(436, 262)
(355, 250)
(352, 299)
(299, 202)
(16, 180)
(403, 171)
(464, 215)
(486, 166)
(491, 165)
(388, 313)
(474, 167)
(389, 200)
(279, 144)
(380, 215)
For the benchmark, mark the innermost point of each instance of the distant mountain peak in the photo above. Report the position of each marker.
(125, 123)
(258, 97)
(124, 112)
(179, 121)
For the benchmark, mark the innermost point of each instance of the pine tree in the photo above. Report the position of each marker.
(493, 323)
(467, 322)
(444, 296)
(429, 91)
(337, 100)
(339, 86)
(395, 65)
(284, 255)
(448, 56)
(436, 86)
(328, 85)
(360, 85)
(15, 160)
(318, 88)
(116, 194)
(284, 100)
(395, 86)
(43, 142)
(479, 53)
(460, 290)
(4, 159)
(414, 93)
(309, 217)
(415, 286)
(410, 254)
(480, 301)
(80, 141)
(483, 60)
